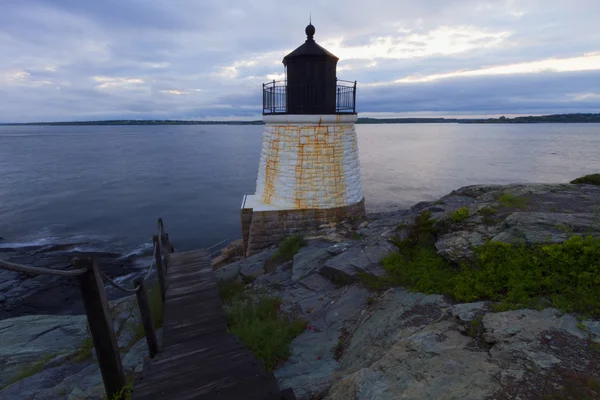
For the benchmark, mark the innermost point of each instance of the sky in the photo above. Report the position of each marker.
(73, 60)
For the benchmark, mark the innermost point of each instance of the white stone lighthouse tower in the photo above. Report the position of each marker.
(309, 171)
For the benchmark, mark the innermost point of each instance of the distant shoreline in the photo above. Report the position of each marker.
(554, 118)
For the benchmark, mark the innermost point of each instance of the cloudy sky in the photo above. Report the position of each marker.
(64, 60)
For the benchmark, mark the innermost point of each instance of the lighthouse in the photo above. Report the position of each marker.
(309, 171)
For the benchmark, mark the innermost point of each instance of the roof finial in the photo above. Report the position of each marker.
(310, 29)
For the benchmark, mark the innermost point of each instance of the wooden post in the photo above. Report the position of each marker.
(159, 267)
(100, 323)
(146, 314)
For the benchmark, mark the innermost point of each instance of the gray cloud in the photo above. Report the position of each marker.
(74, 60)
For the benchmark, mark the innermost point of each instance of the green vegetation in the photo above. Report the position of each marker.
(475, 327)
(229, 290)
(30, 370)
(288, 248)
(568, 274)
(592, 179)
(84, 351)
(508, 200)
(256, 320)
(488, 214)
(258, 323)
(460, 215)
(555, 118)
(563, 275)
(488, 211)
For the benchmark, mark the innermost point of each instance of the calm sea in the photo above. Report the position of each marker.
(106, 185)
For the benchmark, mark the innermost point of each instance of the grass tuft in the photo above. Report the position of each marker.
(460, 215)
(509, 200)
(289, 247)
(30, 370)
(263, 329)
(592, 179)
(84, 351)
(229, 290)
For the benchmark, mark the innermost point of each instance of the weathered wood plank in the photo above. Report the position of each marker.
(200, 360)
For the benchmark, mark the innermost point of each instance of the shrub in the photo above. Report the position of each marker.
(592, 179)
(567, 274)
(488, 211)
(420, 233)
(460, 215)
(263, 330)
(421, 269)
(508, 200)
(289, 247)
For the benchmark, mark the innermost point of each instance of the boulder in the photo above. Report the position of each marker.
(308, 260)
(428, 364)
(250, 266)
(311, 367)
(541, 227)
(345, 267)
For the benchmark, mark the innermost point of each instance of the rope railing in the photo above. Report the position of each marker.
(91, 282)
(114, 284)
(41, 271)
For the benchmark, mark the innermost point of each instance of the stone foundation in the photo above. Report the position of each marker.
(261, 229)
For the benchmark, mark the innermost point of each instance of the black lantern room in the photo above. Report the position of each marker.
(312, 86)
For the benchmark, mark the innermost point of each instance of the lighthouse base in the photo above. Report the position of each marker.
(265, 225)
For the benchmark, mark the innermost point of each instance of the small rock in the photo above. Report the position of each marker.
(468, 311)
(338, 248)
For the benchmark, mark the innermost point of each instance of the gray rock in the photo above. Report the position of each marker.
(277, 279)
(468, 311)
(539, 227)
(311, 366)
(515, 336)
(309, 260)
(457, 246)
(42, 382)
(344, 268)
(427, 364)
(251, 266)
(27, 339)
(338, 248)
(134, 360)
(406, 341)
(87, 383)
(593, 328)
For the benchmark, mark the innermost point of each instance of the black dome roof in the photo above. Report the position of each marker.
(310, 50)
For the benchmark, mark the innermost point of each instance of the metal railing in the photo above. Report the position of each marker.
(216, 248)
(309, 98)
(91, 283)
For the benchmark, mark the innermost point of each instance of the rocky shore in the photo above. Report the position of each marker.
(23, 294)
(387, 342)
(365, 344)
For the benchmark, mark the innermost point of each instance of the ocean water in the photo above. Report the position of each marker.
(105, 186)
